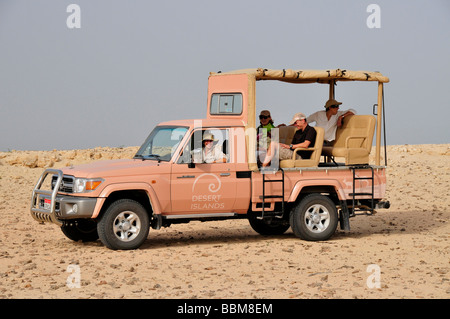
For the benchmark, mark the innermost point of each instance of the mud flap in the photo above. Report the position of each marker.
(344, 216)
(156, 221)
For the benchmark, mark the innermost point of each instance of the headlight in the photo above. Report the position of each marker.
(82, 185)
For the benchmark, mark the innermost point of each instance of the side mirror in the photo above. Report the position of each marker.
(191, 165)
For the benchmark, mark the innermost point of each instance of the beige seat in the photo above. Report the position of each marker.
(315, 155)
(353, 140)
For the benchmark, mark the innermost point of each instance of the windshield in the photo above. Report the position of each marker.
(161, 143)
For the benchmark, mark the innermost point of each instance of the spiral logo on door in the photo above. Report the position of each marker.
(213, 187)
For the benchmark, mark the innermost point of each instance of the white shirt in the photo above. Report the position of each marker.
(330, 125)
(215, 155)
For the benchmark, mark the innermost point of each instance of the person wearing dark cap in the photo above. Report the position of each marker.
(265, 120)
(330, 119)
(264, 134)
(304, 137)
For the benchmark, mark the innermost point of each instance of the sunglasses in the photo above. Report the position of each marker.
(263, 117)
(334, 106)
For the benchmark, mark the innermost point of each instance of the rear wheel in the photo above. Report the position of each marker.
(314, 218)
(124, 225)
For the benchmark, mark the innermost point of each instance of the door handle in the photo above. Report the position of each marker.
(186, 176)
(224, 174)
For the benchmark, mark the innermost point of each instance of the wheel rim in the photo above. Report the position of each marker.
(127, 226)
(317, 218)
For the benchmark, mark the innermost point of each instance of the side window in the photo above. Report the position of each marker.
(207, 146)
(226, 104)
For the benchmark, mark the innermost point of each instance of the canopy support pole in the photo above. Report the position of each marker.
(379, 121)
(332, 84)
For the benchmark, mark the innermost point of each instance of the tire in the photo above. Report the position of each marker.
(124, 225)
(81, 229)
(268, 227)
(315, 218)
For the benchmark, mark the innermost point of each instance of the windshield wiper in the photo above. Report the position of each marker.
(149, 156)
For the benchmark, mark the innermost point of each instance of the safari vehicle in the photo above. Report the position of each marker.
(119, 201)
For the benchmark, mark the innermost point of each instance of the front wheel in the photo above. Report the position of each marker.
(315, 218)
(125, 225)
(82, 229)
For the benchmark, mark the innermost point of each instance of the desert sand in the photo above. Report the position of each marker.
(408, 244)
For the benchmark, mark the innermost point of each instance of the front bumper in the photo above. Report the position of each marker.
(70, 207)
(48, 206)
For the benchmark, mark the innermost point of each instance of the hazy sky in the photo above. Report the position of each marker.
(135, 63)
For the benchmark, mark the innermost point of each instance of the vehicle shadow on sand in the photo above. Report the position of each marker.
(401, 223)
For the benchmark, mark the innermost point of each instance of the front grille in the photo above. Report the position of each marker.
(42, 205)
(66, 183)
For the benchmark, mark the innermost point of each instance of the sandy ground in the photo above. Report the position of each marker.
(408, 244)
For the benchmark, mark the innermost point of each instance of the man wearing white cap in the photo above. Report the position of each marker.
(330, 119)
(304, 137)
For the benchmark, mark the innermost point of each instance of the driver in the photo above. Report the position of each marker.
(210, 152)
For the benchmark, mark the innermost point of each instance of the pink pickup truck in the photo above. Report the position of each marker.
(170, 180)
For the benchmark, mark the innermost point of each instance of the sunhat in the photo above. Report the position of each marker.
(208, 137)
(332, 102)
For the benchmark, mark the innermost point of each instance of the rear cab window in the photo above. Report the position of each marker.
(226, 104)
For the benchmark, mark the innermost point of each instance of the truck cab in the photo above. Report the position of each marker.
(208, 169)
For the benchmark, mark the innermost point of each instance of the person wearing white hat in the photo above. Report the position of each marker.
(304, 137)
(330, 119)
(211, 153)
